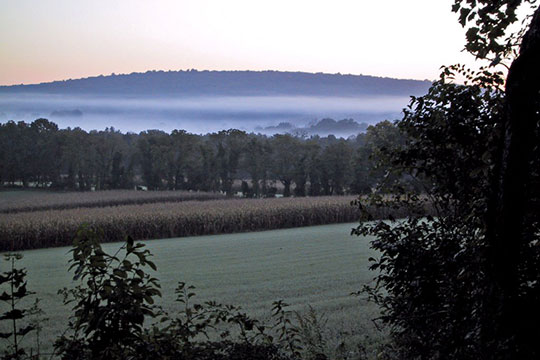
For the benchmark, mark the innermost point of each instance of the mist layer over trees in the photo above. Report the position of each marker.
(200, 114)
(208, 101)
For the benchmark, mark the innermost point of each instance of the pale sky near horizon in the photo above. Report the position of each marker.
(47, 40)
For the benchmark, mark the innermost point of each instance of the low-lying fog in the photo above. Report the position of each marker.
(196, 114)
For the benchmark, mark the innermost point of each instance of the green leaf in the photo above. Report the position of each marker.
(15, 314)
(120, 273)
(152, 265)
(25, 330)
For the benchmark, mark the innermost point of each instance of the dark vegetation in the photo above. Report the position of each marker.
(466, 283)
(41, 155)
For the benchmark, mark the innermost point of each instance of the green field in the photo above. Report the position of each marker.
(318, 266)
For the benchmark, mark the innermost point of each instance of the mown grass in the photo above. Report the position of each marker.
(318, 266)
(38, 229)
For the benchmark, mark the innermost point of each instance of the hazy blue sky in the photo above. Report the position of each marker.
(45, 40)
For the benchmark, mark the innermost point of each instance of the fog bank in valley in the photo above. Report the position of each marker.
(198, 114)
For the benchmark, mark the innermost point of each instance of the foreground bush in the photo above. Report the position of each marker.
(455, 286)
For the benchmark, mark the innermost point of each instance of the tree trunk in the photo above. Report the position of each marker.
(514, 320)
(286, 188)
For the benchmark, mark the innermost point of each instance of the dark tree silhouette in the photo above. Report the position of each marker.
(465, 284)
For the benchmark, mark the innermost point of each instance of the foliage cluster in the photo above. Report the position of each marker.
(462, 284)
(14, 280)
(432, 283)
(43, 155)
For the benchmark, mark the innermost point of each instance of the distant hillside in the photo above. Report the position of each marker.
(223, 83)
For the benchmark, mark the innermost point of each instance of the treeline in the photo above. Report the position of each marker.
(39, 154)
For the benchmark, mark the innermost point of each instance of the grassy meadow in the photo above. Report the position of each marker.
(318, 266)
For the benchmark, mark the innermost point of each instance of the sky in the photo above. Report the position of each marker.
(47, 40)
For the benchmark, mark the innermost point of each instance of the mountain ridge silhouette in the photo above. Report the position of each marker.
(227, 83)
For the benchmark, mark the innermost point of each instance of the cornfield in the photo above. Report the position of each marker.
(38, 201)
(49, 228)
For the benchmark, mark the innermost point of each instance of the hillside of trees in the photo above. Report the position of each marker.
(40, 154)
(232, 83)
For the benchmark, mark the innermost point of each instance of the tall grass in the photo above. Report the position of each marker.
(38, 229)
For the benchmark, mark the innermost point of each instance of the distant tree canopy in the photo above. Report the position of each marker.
(40, 154)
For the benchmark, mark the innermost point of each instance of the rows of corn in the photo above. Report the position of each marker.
(38, 229)
(38, 201)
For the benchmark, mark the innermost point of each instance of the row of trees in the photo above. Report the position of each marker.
(40, 154)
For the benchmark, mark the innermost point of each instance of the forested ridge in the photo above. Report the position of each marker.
(39, 154)
(208, 83)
